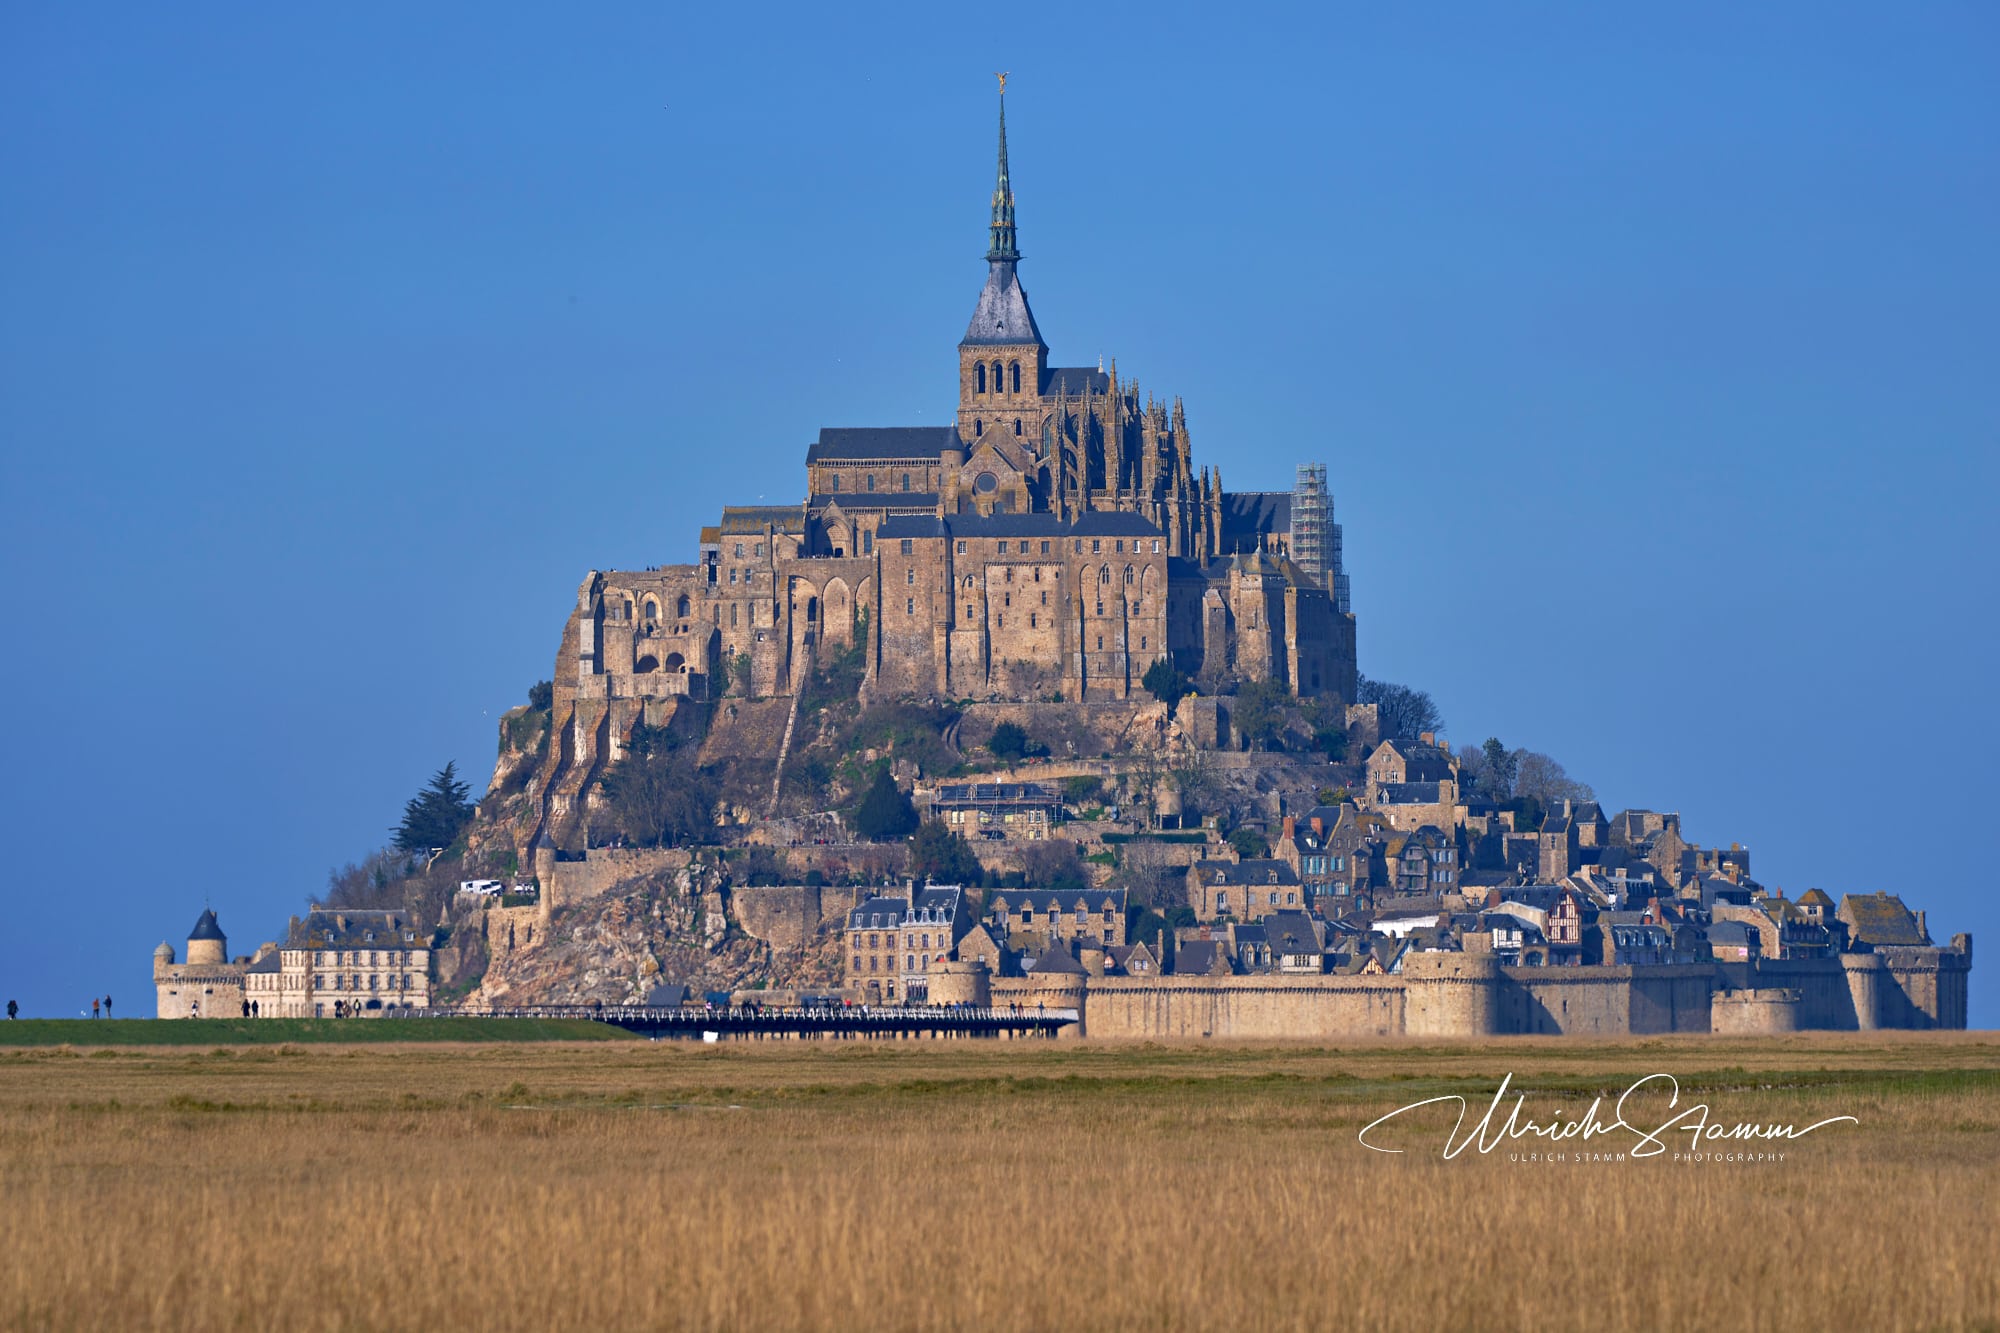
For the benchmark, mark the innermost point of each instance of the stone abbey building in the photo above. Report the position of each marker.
(1054, 541)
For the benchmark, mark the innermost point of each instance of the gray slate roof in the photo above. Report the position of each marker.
(1002, 315)
(1073, 380)
(1092, 524)
(343, 928)
(861, 443)
(922, 500)
(1250, 514)
(205, 926)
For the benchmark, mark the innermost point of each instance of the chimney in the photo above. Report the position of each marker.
(1290, 827)
(1318, 827)
(1427, 737)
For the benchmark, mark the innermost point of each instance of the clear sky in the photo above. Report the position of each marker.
(1653, 357)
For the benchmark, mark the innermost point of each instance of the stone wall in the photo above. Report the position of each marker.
(1753, 1013)
(1608, 1001)
(1243, 1007)
(568, 882)
(785, 916)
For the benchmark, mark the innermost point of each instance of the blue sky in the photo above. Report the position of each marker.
(1652, 356)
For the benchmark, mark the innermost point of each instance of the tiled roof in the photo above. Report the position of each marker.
(1880, 918)
(870, 442)
(1073, 380)
(1247, 872)
(923, 501)
(1092, 524)
(342, 928)
(1250, 514)
(1002, 315)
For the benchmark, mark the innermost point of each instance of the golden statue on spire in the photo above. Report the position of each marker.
(1001, 74)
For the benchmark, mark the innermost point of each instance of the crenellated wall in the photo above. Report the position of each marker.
(1456, 995)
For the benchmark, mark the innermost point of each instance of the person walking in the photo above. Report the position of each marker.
(13, 1010)
(93, 1006)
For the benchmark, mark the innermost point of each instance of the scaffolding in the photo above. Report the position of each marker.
(1315, 537)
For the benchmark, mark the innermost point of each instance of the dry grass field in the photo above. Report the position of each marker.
(983, 1185)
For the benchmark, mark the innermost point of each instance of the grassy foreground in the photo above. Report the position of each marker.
(287, 1031)
(984, 1185)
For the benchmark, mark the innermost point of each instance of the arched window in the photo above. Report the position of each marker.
(1128, 576)
(1104, 574)
(1017, 425)
(683, 607)
(871, 481)
(978, 429)
(836, 483)
(997, 381)
(1017, 388)
(979, 378)
(652, 609)
(906, 481)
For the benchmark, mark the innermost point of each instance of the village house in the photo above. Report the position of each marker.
(892, 941)
(1243, 889)
(1017, 811)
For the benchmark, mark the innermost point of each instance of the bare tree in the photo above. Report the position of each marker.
(1538, 776)
(1403, 711)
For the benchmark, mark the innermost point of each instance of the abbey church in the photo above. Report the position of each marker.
(1053, 543)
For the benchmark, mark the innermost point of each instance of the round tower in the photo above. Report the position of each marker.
(163, 958)
(1451, 995)
(969, 982)
(206, 942)
(1867, 976)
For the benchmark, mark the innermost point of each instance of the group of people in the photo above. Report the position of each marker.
(94, 1003)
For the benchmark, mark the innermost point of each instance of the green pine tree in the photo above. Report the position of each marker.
(435, 815)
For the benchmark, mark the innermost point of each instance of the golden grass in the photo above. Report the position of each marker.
(979, 1185)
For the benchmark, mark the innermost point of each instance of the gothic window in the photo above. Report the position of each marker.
(867, 543)
(979, 378)
(683, 607)
(871, 481)
(1128, 576)
(968, 580)
(978, 429)
(1104, 574)
(1015, 370)
(997, 381)
(836, 488)
(652, 609)
(732, 615)
(1017, 425)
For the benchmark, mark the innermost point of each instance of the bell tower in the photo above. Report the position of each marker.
(1001, 357)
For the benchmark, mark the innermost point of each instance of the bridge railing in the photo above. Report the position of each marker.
(860, 1015)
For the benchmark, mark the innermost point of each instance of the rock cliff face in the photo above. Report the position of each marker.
(617, 947)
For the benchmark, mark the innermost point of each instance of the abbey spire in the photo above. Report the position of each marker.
(1002, 317)
(1003, 198)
